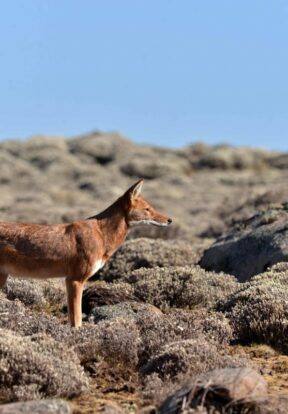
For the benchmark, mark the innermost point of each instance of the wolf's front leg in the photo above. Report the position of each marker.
(74, 299)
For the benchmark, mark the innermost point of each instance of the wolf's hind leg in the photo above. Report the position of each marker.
(3, 278)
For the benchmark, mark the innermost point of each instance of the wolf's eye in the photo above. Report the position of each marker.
(147, 209)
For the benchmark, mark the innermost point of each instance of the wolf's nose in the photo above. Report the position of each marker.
(169, 220)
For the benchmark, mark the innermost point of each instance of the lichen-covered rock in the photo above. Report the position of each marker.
(232, 216)
(34, 367)
(147, 253)
(181, 287)
(253, 247)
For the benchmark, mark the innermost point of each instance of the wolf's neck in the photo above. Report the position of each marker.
(113, 225)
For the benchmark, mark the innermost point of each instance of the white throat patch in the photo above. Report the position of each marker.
(97, 266)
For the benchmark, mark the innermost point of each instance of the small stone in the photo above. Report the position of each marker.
(56, 406)
(237, 386)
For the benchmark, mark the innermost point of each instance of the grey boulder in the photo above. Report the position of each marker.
(252, 247)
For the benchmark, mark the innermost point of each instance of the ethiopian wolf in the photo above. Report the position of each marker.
(74, 250)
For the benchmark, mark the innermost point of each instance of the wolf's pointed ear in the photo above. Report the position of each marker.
(135, 190)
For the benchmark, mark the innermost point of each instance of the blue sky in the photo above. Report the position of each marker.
(162, 72)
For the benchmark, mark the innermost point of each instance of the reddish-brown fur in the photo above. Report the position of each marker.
(75, 250)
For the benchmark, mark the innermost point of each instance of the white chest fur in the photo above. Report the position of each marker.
(97, 266)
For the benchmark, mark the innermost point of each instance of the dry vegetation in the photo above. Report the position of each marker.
(155, 319)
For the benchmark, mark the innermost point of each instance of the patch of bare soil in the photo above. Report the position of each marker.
(272, 365)
(113, 387)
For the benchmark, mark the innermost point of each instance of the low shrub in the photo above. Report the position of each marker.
(132, 311)
(182, 287)
(156, 331)
(259, 313)
(147, 253)
(116, 340)
(101, 293)
(35, 367)
(39, 293)
(190, 357)
(276, 275)
(16, 317)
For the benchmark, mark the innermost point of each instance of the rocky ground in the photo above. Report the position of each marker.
(173, 305)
